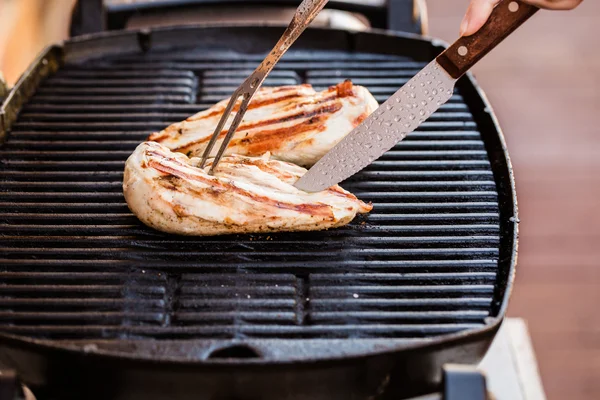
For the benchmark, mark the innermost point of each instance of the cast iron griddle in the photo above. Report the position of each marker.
(76, 265)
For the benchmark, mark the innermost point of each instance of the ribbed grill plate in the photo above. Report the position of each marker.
(76, 264)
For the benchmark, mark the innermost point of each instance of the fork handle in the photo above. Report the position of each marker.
(306, 12)
(304, 15)
(507, 16)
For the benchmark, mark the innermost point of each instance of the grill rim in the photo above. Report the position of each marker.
(82, 48)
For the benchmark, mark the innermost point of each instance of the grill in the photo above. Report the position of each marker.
(79, 271)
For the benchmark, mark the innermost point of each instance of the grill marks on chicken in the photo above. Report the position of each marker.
(168, 192)
(293, 123)
(249, 194)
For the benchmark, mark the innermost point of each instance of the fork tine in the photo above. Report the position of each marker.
(219, 128)
(232, 128)
(305, 13)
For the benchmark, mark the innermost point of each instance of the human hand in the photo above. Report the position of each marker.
(480, 10)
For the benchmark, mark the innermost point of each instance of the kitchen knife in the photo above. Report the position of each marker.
(410, 106)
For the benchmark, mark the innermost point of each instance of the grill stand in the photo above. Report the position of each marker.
(459, 383)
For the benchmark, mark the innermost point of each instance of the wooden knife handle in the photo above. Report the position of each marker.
(507, 16)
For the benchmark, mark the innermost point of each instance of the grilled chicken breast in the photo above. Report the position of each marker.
(247, 194)
(293, 123)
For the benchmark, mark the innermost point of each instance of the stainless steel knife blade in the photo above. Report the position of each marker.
(401, 114)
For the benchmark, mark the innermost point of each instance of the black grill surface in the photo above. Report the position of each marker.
(76, 264)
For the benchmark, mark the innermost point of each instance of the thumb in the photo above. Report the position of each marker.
(477, 14)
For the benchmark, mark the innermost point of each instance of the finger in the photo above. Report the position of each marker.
(555, 4)
(477, 14)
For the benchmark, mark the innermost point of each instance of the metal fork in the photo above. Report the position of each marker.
(305, 14)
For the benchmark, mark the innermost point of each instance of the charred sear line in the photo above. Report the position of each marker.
(178, 180)
(263, 166)
(263, 141)
(359, 120)
(308, 124)
(161, 167)
(256, 103)
(330, 108)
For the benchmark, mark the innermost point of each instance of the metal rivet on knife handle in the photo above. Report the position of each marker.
(505, 19)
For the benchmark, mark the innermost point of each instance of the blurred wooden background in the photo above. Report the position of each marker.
(26, 27)
(544, 83)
